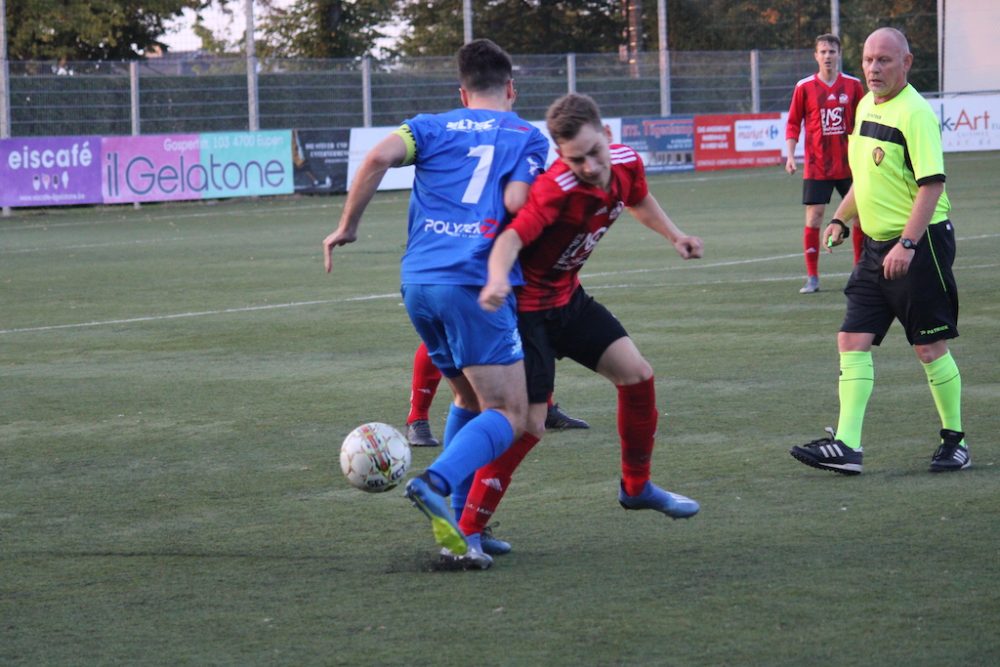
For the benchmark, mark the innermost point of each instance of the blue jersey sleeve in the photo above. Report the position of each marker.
(533, 162)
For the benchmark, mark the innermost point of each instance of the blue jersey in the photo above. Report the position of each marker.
(464, 158)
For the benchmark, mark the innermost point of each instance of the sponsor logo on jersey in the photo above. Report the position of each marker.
(488, 228)
(833, 121)
(460, 229)
(469, 125)
(579, 249)
(535, 167)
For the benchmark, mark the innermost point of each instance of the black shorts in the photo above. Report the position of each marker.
(925, 300)
(581, 330)
(815, 191)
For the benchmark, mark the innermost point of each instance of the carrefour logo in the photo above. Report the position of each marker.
(757, 135)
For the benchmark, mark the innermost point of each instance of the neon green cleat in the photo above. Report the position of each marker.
(446, 531)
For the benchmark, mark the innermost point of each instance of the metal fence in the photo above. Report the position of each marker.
(197, 93)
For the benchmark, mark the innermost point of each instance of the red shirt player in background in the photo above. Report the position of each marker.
(826, 102)
(570, 208)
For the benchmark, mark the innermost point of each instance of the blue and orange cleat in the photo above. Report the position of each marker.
(653, 497)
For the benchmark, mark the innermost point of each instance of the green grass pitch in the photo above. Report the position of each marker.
(175, 383)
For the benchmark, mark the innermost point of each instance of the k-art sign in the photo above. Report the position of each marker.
(969, 123)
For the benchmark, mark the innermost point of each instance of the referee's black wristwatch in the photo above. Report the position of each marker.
(908, 243)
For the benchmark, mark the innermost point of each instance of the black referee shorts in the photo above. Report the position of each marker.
(581, 330)
(925, 300)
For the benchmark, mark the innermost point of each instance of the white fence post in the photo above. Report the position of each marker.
(133, 84)
(366, 91)
(4, 86)
(253, 110)
(664, 53)
(755, 81)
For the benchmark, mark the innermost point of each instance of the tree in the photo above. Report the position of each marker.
(89, 29)
(519, 26)
(322, 28)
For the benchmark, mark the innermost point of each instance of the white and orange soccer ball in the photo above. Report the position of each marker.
(375, 457)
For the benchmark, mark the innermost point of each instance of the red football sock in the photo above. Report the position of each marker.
(637, 418)
(859, 241)
(490, 485)
(426, 378)
(550, 401)
(810, 247)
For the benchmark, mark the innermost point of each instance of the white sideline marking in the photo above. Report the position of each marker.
(297, 304)
(202, 313)
(395, 295)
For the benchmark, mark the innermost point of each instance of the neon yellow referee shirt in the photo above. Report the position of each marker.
(895, 148)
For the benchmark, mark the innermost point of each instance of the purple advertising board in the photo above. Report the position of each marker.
(50, 171)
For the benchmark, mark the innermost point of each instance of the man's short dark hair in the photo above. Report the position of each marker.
(569, 113)
(483, 66)
(833, 39)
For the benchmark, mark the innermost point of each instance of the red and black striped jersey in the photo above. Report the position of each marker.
(562, 222)
(828, 113)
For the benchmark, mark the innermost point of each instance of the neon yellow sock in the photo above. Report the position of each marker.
(857, 378)
(946, 388)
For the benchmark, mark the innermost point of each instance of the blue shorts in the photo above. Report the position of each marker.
(458, 332)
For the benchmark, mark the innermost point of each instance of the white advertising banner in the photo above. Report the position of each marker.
(969, 122)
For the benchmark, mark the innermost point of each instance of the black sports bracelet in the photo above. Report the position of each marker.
(845, 228)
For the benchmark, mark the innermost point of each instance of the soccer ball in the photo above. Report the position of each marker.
(374, 457)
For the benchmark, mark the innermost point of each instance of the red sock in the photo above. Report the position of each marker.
(426, 378)
(637, 418)
(810, 246)
(859, 241)
(490, 485)
(550, 401)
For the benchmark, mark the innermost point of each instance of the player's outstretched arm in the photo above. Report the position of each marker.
(502, 258)
(650, 214)
(390, 152)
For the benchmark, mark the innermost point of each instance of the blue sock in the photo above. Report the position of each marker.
(457, 419)
(481, 440)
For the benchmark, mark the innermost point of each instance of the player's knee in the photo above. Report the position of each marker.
(931, 353)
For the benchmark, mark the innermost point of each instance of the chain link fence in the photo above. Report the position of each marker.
(196, 93)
